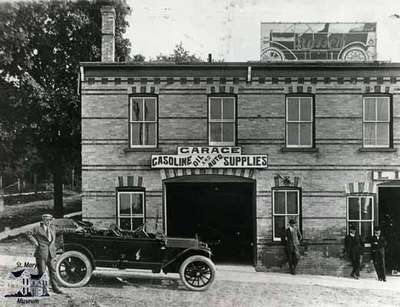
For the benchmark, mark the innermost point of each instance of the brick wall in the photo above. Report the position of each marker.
(260, 125)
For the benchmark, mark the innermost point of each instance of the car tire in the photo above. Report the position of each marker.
(197, 273)
(73, 269)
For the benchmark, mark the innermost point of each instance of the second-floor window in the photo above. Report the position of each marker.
(143, 122)
(222, 121)
(376, 121)
(299, 122)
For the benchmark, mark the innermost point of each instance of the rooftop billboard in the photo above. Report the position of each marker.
(318, 41)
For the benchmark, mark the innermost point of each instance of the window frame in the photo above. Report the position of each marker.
(359, 221)
(389, 122)
(131, 121)
(312, 121)
(130, 190)
(299, 209)
(234, 121)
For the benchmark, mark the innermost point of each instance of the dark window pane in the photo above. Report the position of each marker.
(366, 228)
(136, 222)
(369, 109)
(279, 224)
(215, 132)
(150, 134)
(137, 203)
(354, 208)
(305, 109)
(137, 109)
(279, 202)
(150, 109)
(228, 132)
(125, 223)
(293, 134)
(369, 134)
(215, 108)
(305, 134)
(292, 202)
(228, 107)
(293, 108)
(366, 208)
(137, 134)
(382, 134)
(383, 109)
(124, 203)
(356, 225)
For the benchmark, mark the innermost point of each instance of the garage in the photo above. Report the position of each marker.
(219, 209)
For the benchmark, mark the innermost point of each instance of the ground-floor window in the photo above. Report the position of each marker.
(360, 214)
(130, 209)
(286, 206)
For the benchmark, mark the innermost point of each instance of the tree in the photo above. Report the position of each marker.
(41, 46)
(179, 55)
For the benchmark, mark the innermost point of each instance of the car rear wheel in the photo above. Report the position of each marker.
(197, 273)
(73, 269)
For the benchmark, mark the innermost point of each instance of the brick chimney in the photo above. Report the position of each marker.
(107, 33)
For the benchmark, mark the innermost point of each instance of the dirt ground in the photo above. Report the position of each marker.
(271, 289)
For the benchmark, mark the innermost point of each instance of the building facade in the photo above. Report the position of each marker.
(232, 151)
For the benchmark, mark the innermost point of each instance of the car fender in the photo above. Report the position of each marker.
(180, 257)
(80, 248)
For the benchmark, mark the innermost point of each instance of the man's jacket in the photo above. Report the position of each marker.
(290, 242)
(378, 246)
(353, 245)
(44, 247)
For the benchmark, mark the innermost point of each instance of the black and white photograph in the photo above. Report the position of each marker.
(199, 153)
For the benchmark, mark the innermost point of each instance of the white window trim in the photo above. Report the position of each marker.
(388, 122)
(143, 122)
(286, 214)
(299, 122)
(233, 121)
(119, 216)
(359, 221)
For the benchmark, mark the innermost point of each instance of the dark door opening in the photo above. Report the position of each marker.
(389, 219)
(220, 213)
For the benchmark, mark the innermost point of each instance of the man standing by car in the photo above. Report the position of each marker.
(44, 238)
(353, 246)
(378, 244)
(292, 244)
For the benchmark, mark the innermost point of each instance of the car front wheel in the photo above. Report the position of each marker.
(73, 269)
(197, 273)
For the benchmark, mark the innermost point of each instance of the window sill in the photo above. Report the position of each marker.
(377, 149)
(155, 149)
(299, 149)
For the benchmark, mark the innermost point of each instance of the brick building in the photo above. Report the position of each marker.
(231, 151)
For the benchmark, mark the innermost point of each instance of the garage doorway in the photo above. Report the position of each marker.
(389, 220)
(219, 209)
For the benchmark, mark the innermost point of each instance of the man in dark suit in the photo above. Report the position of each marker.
(353, 247)
(292, 239)
(44, 238)
(378, 245)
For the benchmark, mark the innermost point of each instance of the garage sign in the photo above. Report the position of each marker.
(209, 157)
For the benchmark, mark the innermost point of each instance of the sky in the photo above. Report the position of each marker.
(230, 29)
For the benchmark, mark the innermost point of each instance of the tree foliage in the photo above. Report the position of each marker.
(179, 55)
(41, 46)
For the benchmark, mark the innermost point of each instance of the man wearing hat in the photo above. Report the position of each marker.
(292, 243)
(378, 244)
(43, 237)
(353, 248)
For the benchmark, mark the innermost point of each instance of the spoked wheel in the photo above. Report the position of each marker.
(73, 269)
(197, 273)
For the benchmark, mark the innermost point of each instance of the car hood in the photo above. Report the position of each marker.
(182, 243)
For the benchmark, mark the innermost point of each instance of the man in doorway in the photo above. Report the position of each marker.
(378, 245)
(293, 238)
(353, 248)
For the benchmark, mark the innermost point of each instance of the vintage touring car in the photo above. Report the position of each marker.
(84, 251)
